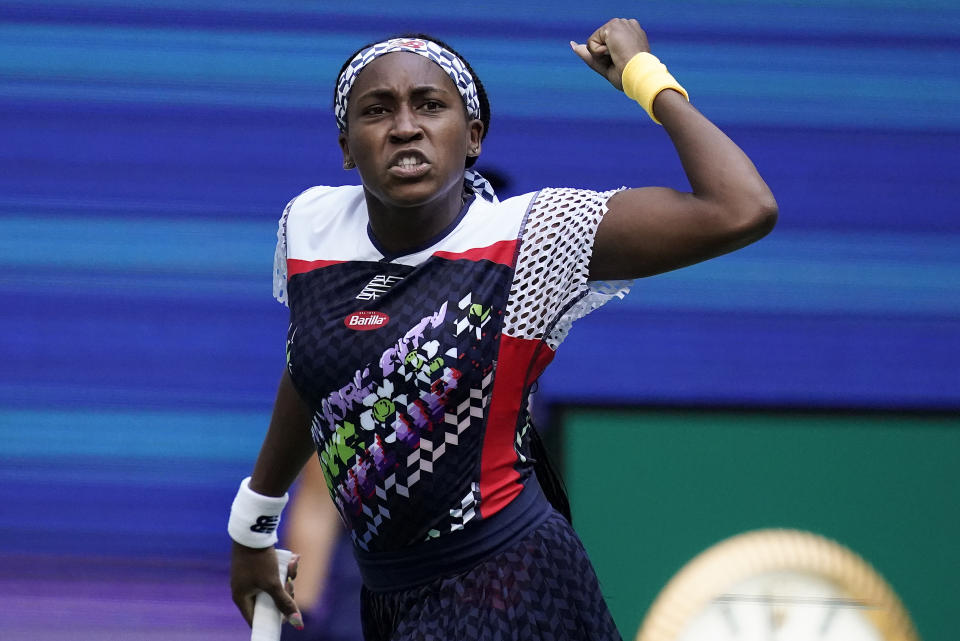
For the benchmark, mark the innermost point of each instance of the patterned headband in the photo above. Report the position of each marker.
(448, 61)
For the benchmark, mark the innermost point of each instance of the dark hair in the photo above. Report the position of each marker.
(481, 92)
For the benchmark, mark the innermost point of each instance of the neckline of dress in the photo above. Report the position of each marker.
(433, 240)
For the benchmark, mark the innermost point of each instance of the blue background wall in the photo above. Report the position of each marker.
(147, 148)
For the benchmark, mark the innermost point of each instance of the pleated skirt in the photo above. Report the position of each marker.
(542, 587)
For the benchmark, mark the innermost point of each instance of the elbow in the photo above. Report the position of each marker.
(745, 222)
(757, 218)
(765, 218)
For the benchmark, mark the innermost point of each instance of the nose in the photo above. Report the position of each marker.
(406, 126)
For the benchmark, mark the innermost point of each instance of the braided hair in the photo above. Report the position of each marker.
(481, 92)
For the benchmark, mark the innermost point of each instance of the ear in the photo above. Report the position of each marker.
(345, 148)
(474, 138)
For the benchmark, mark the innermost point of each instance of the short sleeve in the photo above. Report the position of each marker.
(551, 289)
(280, 258)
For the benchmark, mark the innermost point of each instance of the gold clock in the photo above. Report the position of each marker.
(777, 585)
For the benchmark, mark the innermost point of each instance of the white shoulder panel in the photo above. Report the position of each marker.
(329, 223)
(322, 223)
(550, 288)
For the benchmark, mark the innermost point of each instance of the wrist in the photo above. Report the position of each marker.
(665, 101)
(644, 77)
(254, 518)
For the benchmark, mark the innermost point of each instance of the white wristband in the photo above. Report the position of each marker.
(254, 517)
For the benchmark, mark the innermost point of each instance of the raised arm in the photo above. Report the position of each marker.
(286, 448)
(651, 230)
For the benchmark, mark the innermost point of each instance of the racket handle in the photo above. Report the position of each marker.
(267, 619)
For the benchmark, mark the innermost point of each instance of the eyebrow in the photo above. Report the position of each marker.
(417, 91)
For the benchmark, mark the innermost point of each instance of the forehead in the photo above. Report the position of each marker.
(399, 72)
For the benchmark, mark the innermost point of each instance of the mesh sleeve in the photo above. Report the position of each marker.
(280, 258)
(550, 288)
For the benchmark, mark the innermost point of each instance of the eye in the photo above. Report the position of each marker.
(373, 110)
(433, 105)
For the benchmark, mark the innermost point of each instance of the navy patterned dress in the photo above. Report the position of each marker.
(418, 368)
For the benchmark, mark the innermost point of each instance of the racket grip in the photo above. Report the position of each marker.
(267, 619)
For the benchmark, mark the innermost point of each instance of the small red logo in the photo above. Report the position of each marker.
(413, 44)
(366, 320)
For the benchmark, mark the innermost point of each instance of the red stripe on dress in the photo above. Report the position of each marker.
(499, 479)
(502, 252)
(297, 266)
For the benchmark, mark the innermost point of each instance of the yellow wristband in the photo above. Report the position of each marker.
(644, 77)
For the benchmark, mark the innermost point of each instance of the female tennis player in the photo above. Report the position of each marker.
(422, 309)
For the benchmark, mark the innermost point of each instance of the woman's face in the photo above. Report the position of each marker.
(407, 130)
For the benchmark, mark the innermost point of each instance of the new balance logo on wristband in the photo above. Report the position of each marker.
(248, 529)
(265, 524)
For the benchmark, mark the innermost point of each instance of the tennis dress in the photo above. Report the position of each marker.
(418, 368)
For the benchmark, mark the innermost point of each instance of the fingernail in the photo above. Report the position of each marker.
(296, 621)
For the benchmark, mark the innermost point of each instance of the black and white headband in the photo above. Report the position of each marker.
(452, 65)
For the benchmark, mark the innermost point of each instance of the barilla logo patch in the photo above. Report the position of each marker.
(365, 321)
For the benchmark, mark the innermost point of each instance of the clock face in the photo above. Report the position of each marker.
(777, 585)
(782, 605)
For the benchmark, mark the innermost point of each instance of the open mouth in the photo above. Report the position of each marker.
(409, 161)
(409, 166)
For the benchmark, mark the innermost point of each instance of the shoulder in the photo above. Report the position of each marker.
(550, 205)
(570, 199)
(328, 223)
(509, 208)
(323, 208)
(566, 211)
(326, 199)
(559, 228)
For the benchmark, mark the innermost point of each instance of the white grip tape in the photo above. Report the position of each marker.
(267, 618)
(254, 518)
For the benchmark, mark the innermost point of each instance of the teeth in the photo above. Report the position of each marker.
(409, 162)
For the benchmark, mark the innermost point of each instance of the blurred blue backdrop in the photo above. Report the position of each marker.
(148, 146)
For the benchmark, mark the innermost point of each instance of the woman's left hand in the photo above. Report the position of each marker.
(651, 230)
(611, 47)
